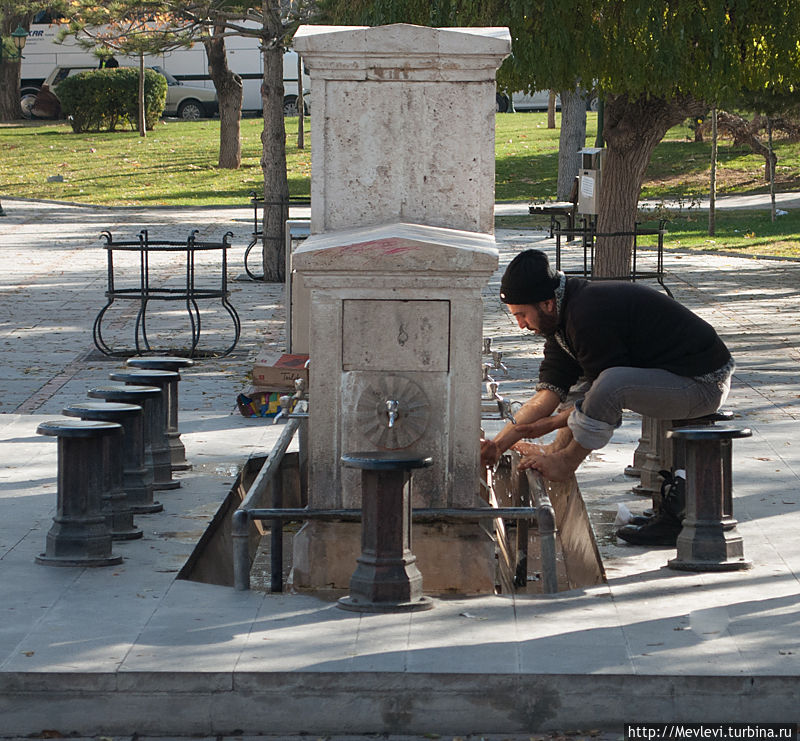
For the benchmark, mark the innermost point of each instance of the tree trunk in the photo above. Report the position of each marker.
(572, 138)
(745, 132)
(142, 121)
(632, 130)
(10, 68)
(712, 195)
(301, 107)
(551, 109)
(771, 166)
(229, 92)
(9, 90)
(273, 140)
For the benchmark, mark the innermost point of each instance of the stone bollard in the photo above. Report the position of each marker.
(639, 455)
(676, 446)
(137, 450)
(387, 578)
(79, 535)
(118, 508)
(709, 540)
(660, 453)
(162, 458)
(654, 458)
(169, 363)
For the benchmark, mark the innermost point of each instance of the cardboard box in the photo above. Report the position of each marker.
(277, 371)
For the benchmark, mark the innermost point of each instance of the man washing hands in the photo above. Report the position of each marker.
(629, 346)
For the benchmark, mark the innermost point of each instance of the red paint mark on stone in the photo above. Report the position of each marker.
(390, 246)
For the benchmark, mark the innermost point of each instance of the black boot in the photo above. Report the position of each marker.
(665, 526)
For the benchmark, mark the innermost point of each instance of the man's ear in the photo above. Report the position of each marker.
(549, 305)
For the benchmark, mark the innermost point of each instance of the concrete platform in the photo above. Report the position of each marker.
(132, 650)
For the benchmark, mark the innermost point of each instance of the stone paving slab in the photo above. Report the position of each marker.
(109, 650)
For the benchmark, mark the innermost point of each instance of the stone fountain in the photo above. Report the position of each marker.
(401, 245)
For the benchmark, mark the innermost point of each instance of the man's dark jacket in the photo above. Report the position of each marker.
(606, 324)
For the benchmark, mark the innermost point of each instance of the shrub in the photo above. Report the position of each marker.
(101, 99)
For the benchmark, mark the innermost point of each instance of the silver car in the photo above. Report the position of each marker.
(183, 101)
(186, 102)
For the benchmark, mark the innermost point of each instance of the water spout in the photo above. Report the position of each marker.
(285, 403)
(393, 411)
(503, 405)
(497, 358)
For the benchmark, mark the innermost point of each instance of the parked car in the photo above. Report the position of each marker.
(535, 101)
(183, 101)
(186, 102)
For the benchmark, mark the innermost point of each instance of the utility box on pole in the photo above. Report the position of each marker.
(591, 178)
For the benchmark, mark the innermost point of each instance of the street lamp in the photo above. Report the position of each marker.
(19, 36)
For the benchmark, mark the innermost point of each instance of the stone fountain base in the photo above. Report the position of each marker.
(456, 558)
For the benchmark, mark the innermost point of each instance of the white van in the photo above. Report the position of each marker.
(188, 66)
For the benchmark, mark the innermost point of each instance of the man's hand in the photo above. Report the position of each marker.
(540, 427)
(490, 453)
(540, 407)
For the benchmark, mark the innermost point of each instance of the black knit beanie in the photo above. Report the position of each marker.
(528, 279)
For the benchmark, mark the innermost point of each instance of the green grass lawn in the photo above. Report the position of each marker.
(176, 165)
(742, 232)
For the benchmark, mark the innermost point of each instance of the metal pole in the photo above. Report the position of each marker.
(546, 521)
(240, 525)
(241, 550)
(276, 536)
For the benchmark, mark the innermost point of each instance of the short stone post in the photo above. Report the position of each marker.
(664, 453)
(174, 364)
(387, 578)
(676, 447)
(635, 469)
(80, 535)
(162, 458)
(119, 512)
(137, 452)
(709, 540)
(654, 458)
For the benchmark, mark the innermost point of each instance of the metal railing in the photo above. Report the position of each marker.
(257, 236)
(589, 234)
(541, 513)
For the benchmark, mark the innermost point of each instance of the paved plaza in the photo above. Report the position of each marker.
(130, 649)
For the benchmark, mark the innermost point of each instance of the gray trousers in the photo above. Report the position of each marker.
(648, 391)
